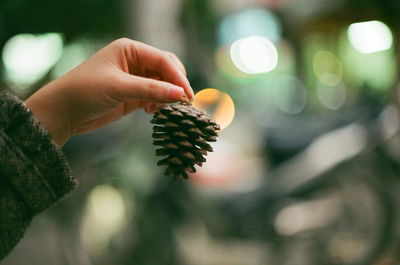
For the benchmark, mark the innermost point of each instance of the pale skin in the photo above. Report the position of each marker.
(122, 77)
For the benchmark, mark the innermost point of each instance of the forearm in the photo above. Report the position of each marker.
(15, 217)
(33, 172)
(48, 110)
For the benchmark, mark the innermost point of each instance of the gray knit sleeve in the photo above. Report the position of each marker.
(34, 173)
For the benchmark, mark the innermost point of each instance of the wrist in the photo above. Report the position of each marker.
(50, 117)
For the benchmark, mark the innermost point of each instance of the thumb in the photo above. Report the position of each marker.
(137, 87)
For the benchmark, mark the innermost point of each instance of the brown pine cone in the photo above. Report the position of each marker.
(183, 131)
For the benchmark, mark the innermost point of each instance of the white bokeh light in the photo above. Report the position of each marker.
(28, 57)
(369, 37)
(254, 55)
(332, 97)
(290, 94)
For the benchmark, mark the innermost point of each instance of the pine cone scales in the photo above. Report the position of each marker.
(183, 131)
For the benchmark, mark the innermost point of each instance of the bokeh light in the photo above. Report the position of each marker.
(27, 57)
(389, 122)
(226, 67)
(290, 94)
(219, 104)
(254, 55)
(215, 173)
(375, 71)
(304, 216)
(105, 216)
(332, 97)
(371, 36)
(250, 22)
(229, 71)
(328, 68)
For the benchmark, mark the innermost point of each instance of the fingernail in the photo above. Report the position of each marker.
(175, 92)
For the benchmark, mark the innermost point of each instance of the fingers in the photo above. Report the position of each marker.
(156, 60)
(189, 92)
(177, 62)
(132, 105)
(136, 87)
(173, 71)
(151, 107)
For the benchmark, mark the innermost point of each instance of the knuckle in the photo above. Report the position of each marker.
(176, 61)
(168, 63)
(166, 60)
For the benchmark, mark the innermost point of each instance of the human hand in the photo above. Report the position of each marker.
(123, 76)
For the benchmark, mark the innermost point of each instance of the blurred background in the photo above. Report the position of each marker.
(306, 168)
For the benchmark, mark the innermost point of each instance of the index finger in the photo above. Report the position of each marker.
(156, 60)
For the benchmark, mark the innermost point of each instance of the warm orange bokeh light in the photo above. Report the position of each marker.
(219, 104)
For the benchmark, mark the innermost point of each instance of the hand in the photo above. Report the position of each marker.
(124, 76)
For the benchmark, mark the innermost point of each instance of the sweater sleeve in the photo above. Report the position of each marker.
(34, 173)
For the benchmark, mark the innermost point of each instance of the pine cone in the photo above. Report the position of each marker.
(183, 132)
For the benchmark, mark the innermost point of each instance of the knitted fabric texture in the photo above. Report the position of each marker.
(34, 173)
